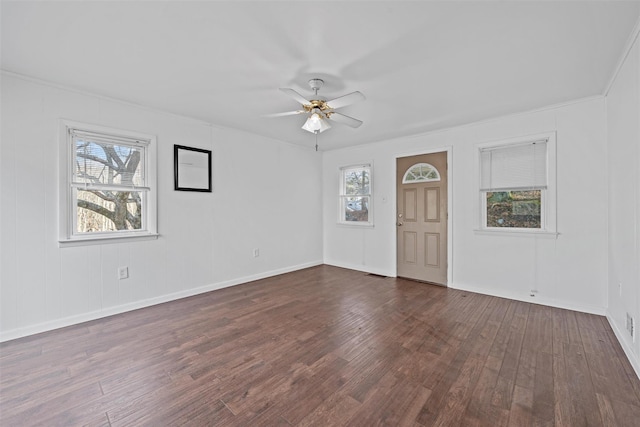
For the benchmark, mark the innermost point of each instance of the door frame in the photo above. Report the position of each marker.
(449, 150)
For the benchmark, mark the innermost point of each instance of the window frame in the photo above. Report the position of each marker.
(342, 196)
(67, 209)
(548, 208)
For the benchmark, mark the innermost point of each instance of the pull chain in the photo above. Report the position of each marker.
(316, 132)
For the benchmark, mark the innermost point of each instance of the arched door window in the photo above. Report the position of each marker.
(421, 172)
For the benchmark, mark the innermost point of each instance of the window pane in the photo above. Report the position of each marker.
(356, 181)
(100, 211)
(356, 209)
(100, 162)
(421, 172)
(514, 209)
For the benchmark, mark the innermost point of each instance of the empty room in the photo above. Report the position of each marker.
(302, 213)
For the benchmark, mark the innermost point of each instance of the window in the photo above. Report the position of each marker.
(517, 184)
(355, 195)
(421, 172)
(109, 186)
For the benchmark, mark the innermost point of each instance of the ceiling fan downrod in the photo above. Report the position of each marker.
(316, 84)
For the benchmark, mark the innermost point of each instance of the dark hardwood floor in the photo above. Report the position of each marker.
(327, 347)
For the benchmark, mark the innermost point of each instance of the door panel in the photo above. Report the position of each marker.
(432, 204)
(410, 247)
(410, 204)
(422, 221)
(432, 249)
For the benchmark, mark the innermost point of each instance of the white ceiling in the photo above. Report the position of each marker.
(422, 65)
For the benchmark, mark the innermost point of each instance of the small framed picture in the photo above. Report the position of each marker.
(192, 169)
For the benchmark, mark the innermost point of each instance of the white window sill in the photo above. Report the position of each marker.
(355, 224)
(87, 241)
(517, 233)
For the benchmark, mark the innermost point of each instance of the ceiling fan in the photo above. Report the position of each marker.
(319, 111)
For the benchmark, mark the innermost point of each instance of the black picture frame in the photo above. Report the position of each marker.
(189, 166)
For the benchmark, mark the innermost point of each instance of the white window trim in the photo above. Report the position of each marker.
(66, 236)
(549, 196)
(341, 221)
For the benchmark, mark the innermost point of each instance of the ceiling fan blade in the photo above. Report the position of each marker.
(295, 95)
(288, 113)
(346, 120)
(346, 100)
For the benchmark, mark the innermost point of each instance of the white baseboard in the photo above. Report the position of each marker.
(628, 351)
(363, 268)
(600, 311)
(110, 311)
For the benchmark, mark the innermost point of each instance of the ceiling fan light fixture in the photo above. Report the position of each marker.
(315, 123)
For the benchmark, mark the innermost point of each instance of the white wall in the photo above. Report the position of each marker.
(569, 272)
(623, 126)
(206, 240)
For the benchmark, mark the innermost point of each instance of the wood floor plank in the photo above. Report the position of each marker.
(600, 352)
(378, 409)
(324, 346)
(575, 401)
(626, 415)
(459, 395)
(41, 408)
(334, 411)
(521, 407)
(606, 411)
(480, 411)
(510, 352)
(544, 383)
(463, 371)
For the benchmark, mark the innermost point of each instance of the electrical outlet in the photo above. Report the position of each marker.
(123, 273)
(256, 253)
